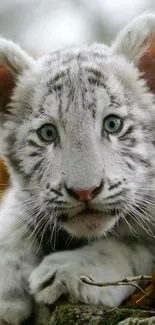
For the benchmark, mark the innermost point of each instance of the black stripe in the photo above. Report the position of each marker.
(40, 110)
(93, 113)
(128, 131)
(127, 154)
(115, 195)
(114, 186)
(58, 87)
(95, 72)
(56, 192)
(16, 165)
(113, 99)
(34, 144)
(139, 158)
(54, 83)
(136, 158)
(70, 96)
(49, 91)
(60, 114)
(34, 154)
(58, 76)
(36, 166)
(96, 82)
(145, 162)
(129, 165)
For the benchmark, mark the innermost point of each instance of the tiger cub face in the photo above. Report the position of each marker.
(78, 133)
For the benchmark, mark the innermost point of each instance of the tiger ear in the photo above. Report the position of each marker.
(13, 62)
(137, 42)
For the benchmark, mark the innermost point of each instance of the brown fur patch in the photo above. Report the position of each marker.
(4, 178)
(147, 64)
(6, 87)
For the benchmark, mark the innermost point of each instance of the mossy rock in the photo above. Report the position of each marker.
(90, 315)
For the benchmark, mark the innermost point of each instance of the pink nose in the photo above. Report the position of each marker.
(85, 195)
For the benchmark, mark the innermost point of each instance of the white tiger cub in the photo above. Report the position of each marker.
(77, 132)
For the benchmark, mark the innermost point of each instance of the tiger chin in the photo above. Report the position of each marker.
(77, 133)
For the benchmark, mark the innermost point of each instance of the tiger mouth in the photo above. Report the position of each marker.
(90, 223)
(89, 212)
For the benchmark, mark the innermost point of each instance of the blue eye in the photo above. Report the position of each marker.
(112, 124)
(47, 133)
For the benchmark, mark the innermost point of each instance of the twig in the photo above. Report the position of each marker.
(126, 281)
(109, 311)
(145, 296)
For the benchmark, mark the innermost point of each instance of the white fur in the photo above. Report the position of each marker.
(18, 259)
(103, 261)
(12, 56)
(81, 159)
(134, 40)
